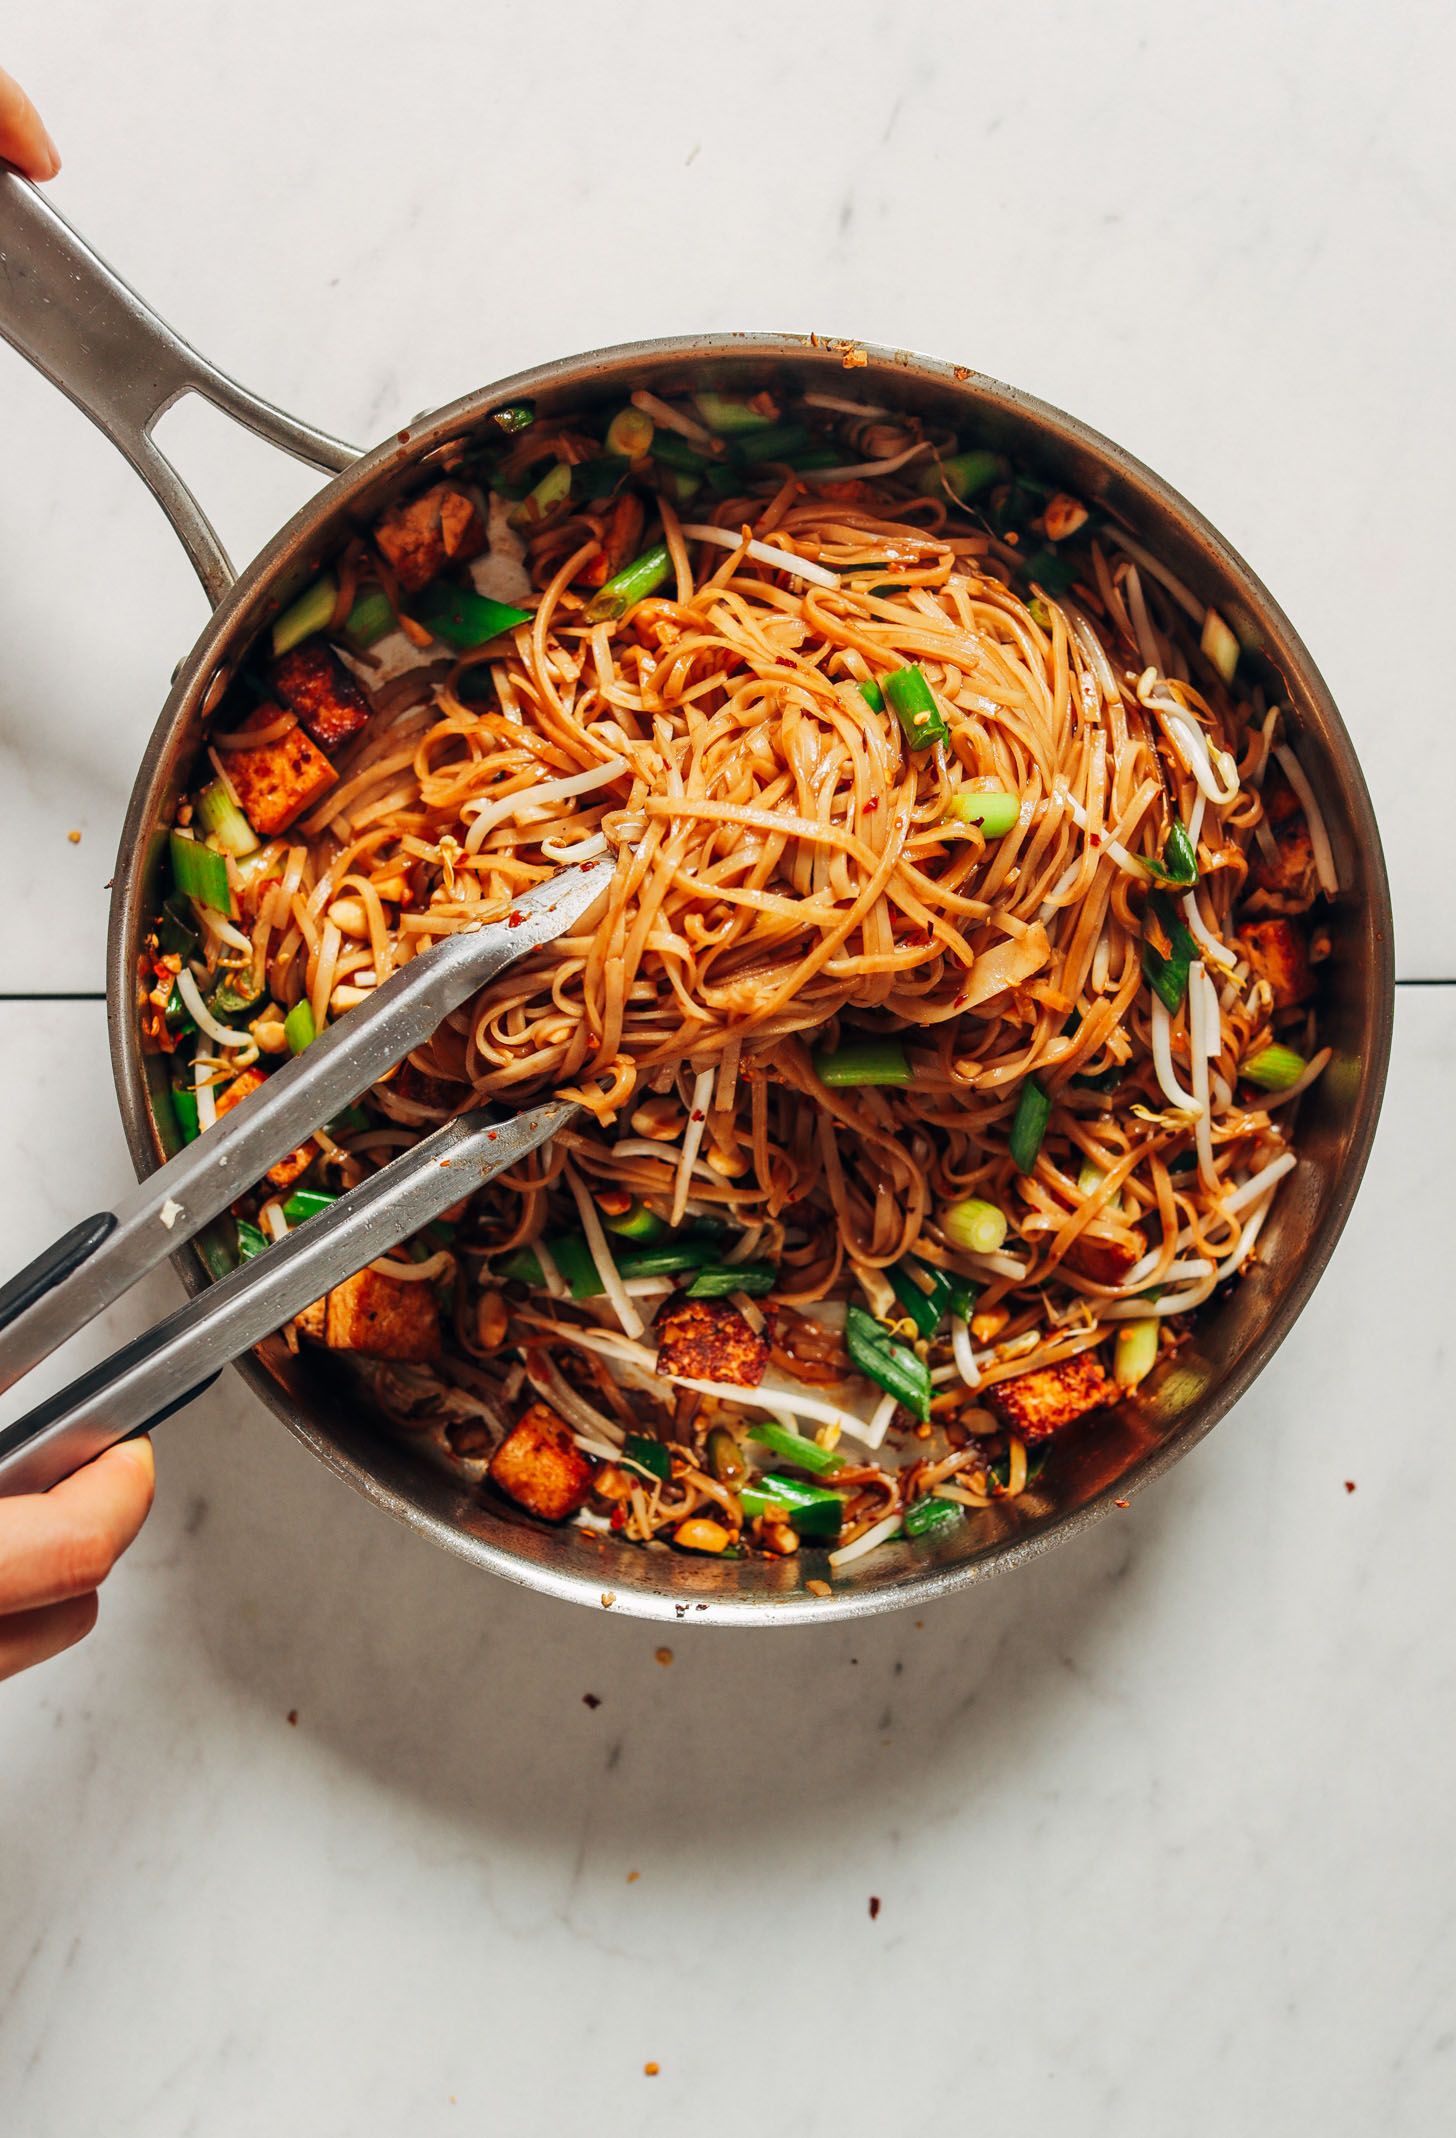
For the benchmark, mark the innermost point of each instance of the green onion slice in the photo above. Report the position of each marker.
(463, 618)
(200, 872)
(307, 1202)
(929, 1514)
(915, 707)
(891, 1366)
(752, 1278)
(873, 696)
(813, 1510)
(976, 1227)
(638, 1223)
(298, 1028)
(1033, 1111)
(923, 1291)
(729, 412)
(963, 474)
(1179, 865)
(251, 1241)
(632, 584)
(1275, 1067)
(994, 810)
(629, 434)
(797, 1448)
(648, 1456)
(865, 1061)
(1168, 977)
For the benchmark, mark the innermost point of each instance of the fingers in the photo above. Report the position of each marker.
(23, 139)
(35, 1636)
(63, 1543)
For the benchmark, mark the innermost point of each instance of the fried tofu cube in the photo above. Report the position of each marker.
(709, 1340)
(276, 782)
(621, 540)
(383, 1318)
(1041, 1403)
(1277, 952)
(313, 682)
(540, 1466)
(288, 1169)
(1104, 1261)
(420, 535)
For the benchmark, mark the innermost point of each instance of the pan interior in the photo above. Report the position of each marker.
(324, 1405)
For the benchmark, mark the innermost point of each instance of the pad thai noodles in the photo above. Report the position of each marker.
(938, 1043)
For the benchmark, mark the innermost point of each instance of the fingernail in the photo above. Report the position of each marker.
(53, 152)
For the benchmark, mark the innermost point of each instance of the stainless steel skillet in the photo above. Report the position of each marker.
(66, 311)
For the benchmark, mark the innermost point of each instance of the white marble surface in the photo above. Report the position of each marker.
(1223, 237)
(1161, 1826)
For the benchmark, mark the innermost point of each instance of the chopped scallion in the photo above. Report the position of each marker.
(752, 1278)
(1168, 976)
(873, 696)
(963, 474)
(994, 810)
(200, 872)
(184, 1106)
(1136, 1351)
(1219, 643)
(516, 416)
(648, 1456)
(629, 434)
(794, 1447)
(1275, 1067)
(306, 1203)
(299, 1028)
(891, 1366)
(1179, 865)
(307, 615)
(976, 1227)
(637, 1223)
(222, 817)
(1033, 1111)
(728, 412)
(777, 442)
(370, 617)
(251, 1241)
(864, 1061)
(915, 707)
(632, 584)
(923, 1291)
(552, 490)
(813, 1510)
(463, 618)
(930, 1514)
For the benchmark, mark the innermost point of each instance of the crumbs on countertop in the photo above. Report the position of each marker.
(663, 1655)
(591, 1699)
(74, 837)
(874, 1906)
(293, 1718)
(1349, 1484)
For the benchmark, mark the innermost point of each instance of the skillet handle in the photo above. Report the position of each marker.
(78, 323)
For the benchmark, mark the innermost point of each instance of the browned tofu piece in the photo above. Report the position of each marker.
(709, 1340)
(382, 1318)
(421, 535)
(1104, 1261)
(1040, 1403)
(1277, 952)
(621, 540)
(278, 781)
(288, 1169)
(540, 1466)
(1287, 884)
(314, 683)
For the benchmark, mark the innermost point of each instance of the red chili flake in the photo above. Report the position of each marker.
(515, 920)
(698, 1114)
(293, 1717)
(1094, 838)
(874, 1906)
(591, 1700)
(490, 1135)
(1122, 1503)
(871, 805)
(1349, 1484)
(619, 1518)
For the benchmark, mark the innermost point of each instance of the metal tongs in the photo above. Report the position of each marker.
(104, 1256)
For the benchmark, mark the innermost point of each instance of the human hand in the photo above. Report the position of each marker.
(23, 139)
(57, 1547)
